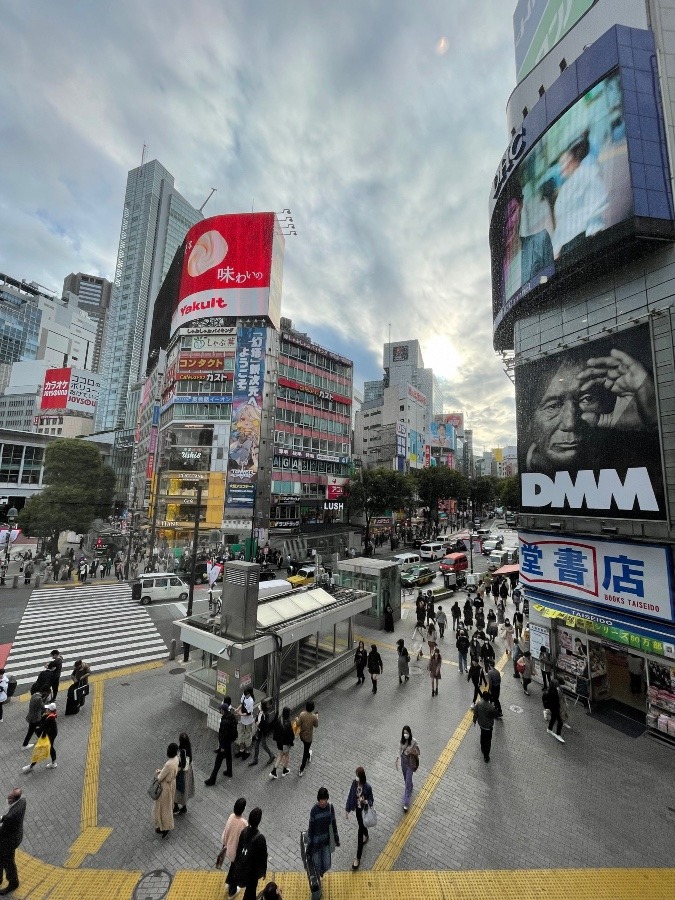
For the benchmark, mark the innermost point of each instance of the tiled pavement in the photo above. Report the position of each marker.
(602, 799)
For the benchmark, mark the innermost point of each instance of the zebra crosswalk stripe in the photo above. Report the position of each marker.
(100, 624)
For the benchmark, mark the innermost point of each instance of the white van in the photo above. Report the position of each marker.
(432, 550)
(514, 554)
(161, 586)
(497, 559)
(407, 559)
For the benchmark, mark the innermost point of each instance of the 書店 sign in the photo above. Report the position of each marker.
(626, 577)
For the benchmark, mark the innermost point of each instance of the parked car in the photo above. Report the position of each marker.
(416, 576)
(305, 575)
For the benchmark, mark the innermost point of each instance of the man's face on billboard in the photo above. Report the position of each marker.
(564, 416)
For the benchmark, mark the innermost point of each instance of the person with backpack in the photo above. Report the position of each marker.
(322, 833)
(227, 734)
(262, 727)
(284, 738)
(250, 863)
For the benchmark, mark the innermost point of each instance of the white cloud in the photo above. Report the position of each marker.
(383, 148)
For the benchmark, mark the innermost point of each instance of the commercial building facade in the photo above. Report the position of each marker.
(93, 295)
(583, 275)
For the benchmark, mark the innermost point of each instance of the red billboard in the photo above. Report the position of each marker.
(55, 389)
(232, 267)
(73, 389)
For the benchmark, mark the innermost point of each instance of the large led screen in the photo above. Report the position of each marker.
(588, 438)
(564, 198)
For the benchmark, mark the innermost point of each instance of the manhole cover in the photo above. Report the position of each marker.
(515, 709)
(153, 885)
(178, 671)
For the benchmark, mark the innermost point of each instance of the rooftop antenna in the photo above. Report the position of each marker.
(144, 154)
(213, 190)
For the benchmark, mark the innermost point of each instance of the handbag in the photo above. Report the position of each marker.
(220, 859)
(331, 832)
(369, 817)
(41, 749)
(155, 789)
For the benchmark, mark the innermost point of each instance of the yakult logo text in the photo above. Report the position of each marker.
(198, 305)
(540, 490)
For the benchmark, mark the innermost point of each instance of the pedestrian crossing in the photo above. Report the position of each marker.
(100, 624)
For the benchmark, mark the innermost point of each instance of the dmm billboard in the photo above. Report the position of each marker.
(232, 267)
(588, 439)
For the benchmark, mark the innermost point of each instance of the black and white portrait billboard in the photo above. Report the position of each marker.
(588, 438)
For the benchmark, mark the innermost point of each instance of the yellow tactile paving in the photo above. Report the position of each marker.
(40, 881)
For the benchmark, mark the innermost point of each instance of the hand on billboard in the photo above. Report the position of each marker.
(628, 379)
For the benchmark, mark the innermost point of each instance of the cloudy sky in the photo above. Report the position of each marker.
(379, 123)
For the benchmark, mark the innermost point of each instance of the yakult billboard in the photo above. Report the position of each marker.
(232, 267)
(74, 389)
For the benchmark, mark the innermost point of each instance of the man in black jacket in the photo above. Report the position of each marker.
(462, 644)
(250, 864)
(227, 733)
(56, 665)
(11, 835)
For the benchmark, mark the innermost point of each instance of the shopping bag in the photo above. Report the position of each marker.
(41, 750)
(370, 817)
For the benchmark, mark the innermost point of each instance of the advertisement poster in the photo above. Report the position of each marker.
(399, 353)
(625, 577)
(442, 433)
(539, 637)
(72, 389)
(570, 188)
(538, 25)
(249, 376)
(228, 269)
(416, 448)
(588, 440)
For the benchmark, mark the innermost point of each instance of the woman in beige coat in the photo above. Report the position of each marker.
(163, 809)
(233, 829)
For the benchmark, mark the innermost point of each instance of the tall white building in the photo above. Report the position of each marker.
(403, 364)
(93, 296)
(155, 221)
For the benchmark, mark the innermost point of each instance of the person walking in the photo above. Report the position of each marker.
(262, 727)
(468, 614)
(36, 709)
(504, 590)
(56, 667)
(80, 677)
(227, 734)
(162, 811)
(234, 826)
(11, 835)
(487, 653)
(403, 661)
(441, 621)
(418, 639)
(185, 780)
(494, 682)
(501, 609)
(322, 833)
(308, 720)
(359, 799)
(44, 682)
(284, 738)
(4, 687)
(551, 700)
(484, 714)
(526, 669)
(432, 637)
(456, 612)
(492, 628)
(250, 863)
(361, 661)
(517, 596)
(388, 617)
(431, 609)
(420, 609)
(477, 676)
(508, 637)
(516, 654)
(409, 759)
(545, 665)
(434, 667)
(375, 666)
(518, 623)
(49, 729)
(246, 722)
(462, 645)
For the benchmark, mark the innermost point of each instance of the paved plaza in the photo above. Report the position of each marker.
(602, 801)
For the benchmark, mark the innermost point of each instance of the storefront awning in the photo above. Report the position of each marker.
(621, 629)
(507, 570)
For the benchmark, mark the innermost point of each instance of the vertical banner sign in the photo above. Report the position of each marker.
(247, 398)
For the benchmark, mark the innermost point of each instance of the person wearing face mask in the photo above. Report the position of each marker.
(11, 835)
(408, 757)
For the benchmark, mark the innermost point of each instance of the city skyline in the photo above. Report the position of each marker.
(361, 153)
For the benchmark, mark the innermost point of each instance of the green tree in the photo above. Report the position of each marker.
(373, 492)
(440, 483)
(484, 491)
(79, 488)
(509, 492)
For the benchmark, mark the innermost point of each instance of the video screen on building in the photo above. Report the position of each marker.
(565, 198)
(588, 436)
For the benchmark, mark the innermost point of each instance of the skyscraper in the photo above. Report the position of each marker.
(155, 221)
(93, 296)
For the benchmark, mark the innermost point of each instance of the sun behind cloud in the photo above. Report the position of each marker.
(441, 356)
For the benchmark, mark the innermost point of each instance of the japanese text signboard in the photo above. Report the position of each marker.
(247, 397)
(630, 578)
(232, 267)
(72, 389)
